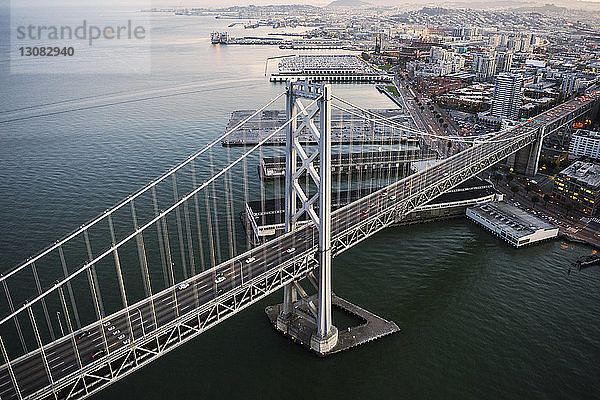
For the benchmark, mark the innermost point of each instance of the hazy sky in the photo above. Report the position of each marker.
(409, 3)
(222, 3)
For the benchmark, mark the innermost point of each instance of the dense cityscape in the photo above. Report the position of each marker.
(469, 72)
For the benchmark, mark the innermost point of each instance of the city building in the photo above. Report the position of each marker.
(504, 61)
(484, 66)
(579, 184)
(507, 96)
(571, 84)
(585, 144)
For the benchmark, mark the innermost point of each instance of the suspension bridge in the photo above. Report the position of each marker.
(172, 260)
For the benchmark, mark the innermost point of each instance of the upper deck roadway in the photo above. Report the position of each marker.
(88, 360)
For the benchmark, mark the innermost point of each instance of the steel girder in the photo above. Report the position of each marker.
(98, 375)
(361, 231)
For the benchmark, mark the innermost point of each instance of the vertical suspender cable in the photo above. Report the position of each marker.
(144, 263)
(161, 244)
(44, 307)
(211, 242)
(179, 229)
(63, 302)
(230, 208)
(69, 287)
(139, 239)
(120, 275)
(246, 204)
(216, 213)
(41, 346)
(93, 279)
(16, 318)
(188, 232)
(13, 378)
(198, 223)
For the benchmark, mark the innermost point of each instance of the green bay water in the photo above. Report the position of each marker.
(478, 318)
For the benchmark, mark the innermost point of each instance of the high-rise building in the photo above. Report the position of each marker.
(504, 61)
(507, 96)
(484, 66)
(571, 84)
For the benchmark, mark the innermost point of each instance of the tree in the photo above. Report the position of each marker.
(546, 198)
(528, 188)
(514, 189)
(535, 199)
(569, 207)
(509, 177)
(494, 168)
(496, 177)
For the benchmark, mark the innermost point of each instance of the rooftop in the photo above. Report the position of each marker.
(586, 133)
(584, 172)
(512, 220)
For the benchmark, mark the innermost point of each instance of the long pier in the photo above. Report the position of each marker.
(369, 162)
(333, 78)
(345, 129)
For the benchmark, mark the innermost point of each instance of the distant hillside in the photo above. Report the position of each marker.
(349, 3)
(548, 8)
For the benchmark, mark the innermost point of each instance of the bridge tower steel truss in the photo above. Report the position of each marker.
(301, 162)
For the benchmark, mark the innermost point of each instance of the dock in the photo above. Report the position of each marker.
(367, 162)
(345, 129)
(512, 224)
(367, 78)
(330, 68)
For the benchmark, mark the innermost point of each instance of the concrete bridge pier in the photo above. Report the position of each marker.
(595, 112)
(526, 161)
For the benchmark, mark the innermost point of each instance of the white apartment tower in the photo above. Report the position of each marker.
(507, 96)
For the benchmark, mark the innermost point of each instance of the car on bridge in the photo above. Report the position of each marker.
(83, 334)
(219, 278)
(98, 354)
(182, 286)
(250, 260)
